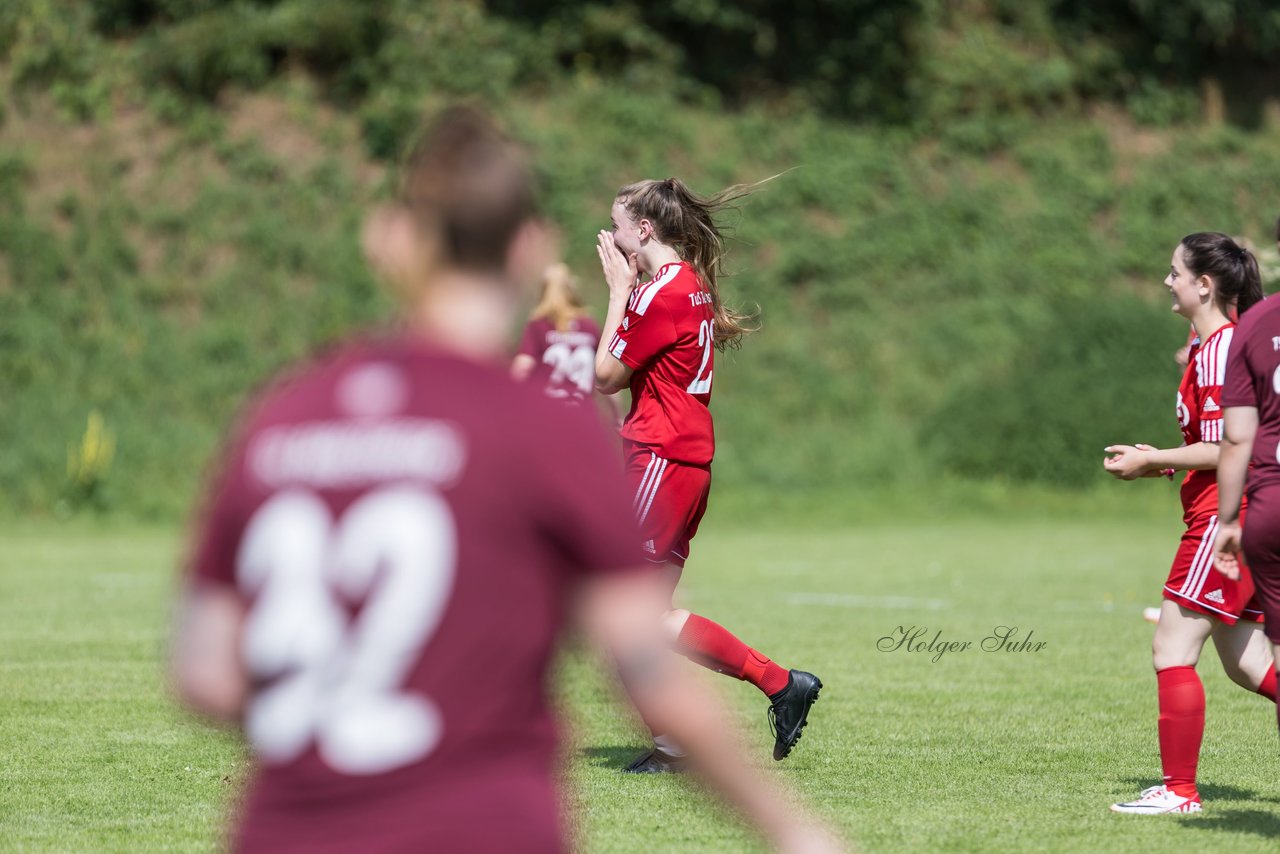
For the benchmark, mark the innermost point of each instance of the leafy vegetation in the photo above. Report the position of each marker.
(958, 264)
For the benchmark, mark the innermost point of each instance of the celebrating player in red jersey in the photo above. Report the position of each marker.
(395, 542)
(1251, 448)
(558, 347)
(665, 333)
(1209, 274)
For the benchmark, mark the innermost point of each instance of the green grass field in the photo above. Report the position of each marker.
(979, 751)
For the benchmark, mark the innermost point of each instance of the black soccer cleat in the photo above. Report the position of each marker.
(789, 710)
(657, 761)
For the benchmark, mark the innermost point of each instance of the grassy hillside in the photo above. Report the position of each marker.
(972, 302)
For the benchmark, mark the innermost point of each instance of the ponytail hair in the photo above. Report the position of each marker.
(560, 301)
(686, 222)
(1233, 268)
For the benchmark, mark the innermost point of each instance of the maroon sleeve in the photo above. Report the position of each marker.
(584, 504)
(1239, 389)
(532, 341)
(220, 521)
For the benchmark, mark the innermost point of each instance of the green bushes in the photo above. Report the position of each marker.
(970, 289)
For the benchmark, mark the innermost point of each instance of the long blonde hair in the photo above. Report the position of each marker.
(686, 222)
(560, 301)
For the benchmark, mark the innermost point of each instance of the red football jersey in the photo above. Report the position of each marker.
(566, 360)
(405, 529)
(666, 337)
(1253, 379)
(1200, 414)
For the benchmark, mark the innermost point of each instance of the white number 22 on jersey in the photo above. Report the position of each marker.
(338, 681)
(701, 384)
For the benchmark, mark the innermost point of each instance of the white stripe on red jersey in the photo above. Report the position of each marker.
(646, 292)
(1211, 361)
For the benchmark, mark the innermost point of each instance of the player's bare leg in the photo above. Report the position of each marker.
(1246, 657)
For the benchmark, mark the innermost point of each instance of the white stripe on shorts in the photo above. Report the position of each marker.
(1201, 563)
(644, 483)
(653, 489)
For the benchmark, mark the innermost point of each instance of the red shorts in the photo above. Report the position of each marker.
(1196, 584)
(670, 499)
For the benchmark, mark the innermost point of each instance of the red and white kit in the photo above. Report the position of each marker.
(667, 339)
(406, 560)
(1193, 581)
(566, 358)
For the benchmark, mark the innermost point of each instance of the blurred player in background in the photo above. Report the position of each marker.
(396, 541)
(1209, 275)
(1251, 448)
(558, 346)
(663, 336)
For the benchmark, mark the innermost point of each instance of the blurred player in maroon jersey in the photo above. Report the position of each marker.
(1251, 449)
(397, 538)
(1209, 275)
(663, 336)
(558, 347)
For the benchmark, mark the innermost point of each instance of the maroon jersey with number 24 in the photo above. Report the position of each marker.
(405, 528)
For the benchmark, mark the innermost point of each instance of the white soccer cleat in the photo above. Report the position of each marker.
(1151, 615)
(1158, 800)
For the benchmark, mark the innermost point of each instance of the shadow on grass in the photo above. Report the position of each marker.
(614, 756)
(1265, 824)
(1208, 793)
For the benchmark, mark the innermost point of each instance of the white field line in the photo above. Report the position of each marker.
(842, 600)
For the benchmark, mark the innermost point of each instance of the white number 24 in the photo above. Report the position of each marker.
(338, 681)
(575, 364)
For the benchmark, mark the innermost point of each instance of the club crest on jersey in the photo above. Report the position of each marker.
(1184, 414)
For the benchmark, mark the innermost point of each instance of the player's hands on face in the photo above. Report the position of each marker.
(1226, 550)
(1127, 462)
(620, 271)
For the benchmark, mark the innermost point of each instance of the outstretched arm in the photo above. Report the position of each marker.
(1130, 462)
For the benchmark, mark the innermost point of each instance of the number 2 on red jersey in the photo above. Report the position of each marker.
(701, 384)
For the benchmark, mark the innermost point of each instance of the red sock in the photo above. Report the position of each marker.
(1268, 686)
(715, 647)
(1181, 727)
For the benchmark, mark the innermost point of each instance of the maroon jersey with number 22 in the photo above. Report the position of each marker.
(404, 528)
